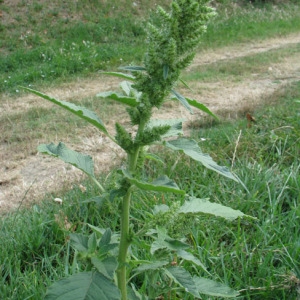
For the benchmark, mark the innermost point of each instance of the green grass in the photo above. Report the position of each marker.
(80, 39)
(240, 68)
(258, 258)
(241, 24)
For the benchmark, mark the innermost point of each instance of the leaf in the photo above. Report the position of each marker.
(175, 126)
(184, 279)
(151, 266)
(126, 87)
(130, 101)
(182, 100)
(213, 288)
(133, 294)
(105, 239)
(97, 199)
(79, 242)
(196, 205)
(201, 106)
(185, 84)
(163, 241)
(82, 286)
(133, 68)
(92, 243)
(161, 184)
(96, 229)
(77, 159)
(154, 157)
(190, 257)
(191, 148)
(166, 71)
(79, 111)
(107, 266)
(121, 75)
(161, 208)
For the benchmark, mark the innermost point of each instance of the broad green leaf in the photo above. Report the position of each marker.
(182, 100)
(175, 126)
(130, 101)
(79, 111)
(151, 266)
(79, 242)
(82, 286)
(196, 205)
(107, 266)
(190, 257)
(184, 279)
(201, 106)
(79, 160)
(161, 184)
(191, 148)
(213, 288)
(133, 68)
(120, 75)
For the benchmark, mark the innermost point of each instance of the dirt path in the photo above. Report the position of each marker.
(27, 178)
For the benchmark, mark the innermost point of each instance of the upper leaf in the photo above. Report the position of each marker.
(120, 75)
(191, 148)
(82, 286)
(201, 106)
(77, 159)
(182, 100)
(131, 101)
(79, 111)
(133, 68)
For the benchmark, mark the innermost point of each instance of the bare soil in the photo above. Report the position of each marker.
(25, 178)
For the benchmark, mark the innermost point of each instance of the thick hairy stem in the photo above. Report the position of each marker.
(124, 244)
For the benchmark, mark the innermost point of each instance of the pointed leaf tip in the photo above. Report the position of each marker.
(83, 162)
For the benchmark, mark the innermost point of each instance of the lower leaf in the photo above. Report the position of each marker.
(81, 286)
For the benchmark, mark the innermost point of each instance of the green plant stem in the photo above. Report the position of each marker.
(125, 234)
(124, 244)
(101, 188)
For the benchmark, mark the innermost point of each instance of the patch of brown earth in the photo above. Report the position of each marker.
(30, 177)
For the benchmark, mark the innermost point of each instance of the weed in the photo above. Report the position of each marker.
(169, 51)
